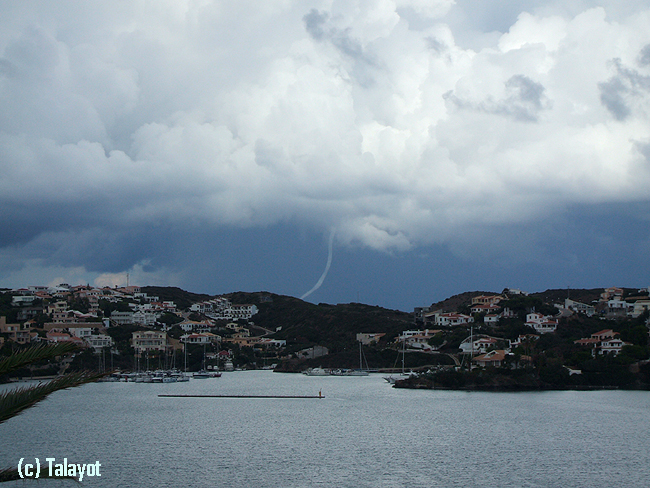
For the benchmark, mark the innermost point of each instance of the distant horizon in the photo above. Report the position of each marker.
(347, 302)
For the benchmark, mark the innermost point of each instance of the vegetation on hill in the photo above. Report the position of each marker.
(183, 299)
(333, 326)
(459, 301)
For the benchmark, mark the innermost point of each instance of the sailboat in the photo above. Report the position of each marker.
(392, 379)
(203, 373)
(184, 377)
(360, 371)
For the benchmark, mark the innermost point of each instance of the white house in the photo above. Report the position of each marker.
(484, 308)
(613, 346)
(122, 318)
(421, 341)
(578, 307)
(145, 318)
(523, 340)
(200, 338)
(478, 344)
(453, 318)
(277, 343)
(618, 307)
(640, 306)
(407, 334)
(149, 340)
(195, 326)
(81, 332)
(491, 319)
(243, 311)
(370, 338)
(541, 323)
(99, 341)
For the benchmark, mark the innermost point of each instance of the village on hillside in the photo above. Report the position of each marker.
(599, 341)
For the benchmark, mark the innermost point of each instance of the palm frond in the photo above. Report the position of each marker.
(12, 474)
(34, 354)
(12, 402)
(9, 474)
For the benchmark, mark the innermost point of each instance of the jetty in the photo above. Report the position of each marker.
(320, 396)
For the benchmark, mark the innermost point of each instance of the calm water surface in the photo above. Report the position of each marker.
(362, 434)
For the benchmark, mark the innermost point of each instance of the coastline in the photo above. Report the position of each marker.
(501, 383)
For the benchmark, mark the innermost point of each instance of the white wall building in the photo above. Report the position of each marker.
(99, 341)
(451, 319)
(122, 318)
(541, 323)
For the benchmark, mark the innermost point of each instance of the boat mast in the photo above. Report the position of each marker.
(471, 339)
(360, 360)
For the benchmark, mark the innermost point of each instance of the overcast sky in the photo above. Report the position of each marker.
(410, 149)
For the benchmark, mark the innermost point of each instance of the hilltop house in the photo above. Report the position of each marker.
(493, 358)
(541, 323)
(196, 326)
(453, 318)
(640, 306)
(497, 359)
(610, 293)
(578, 307)
(613, 346)
(523, 340)
(479, 344)
(200, 338)
(122, 318)
(618, 307)
(421, 341)
(487, 299)
(15, 332)
(56, 336)
(149, 340)
(99, 341)
(370, 338)
(220, 308)
(486, 308)
(603, 341)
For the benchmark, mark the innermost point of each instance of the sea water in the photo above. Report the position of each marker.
(363, 433)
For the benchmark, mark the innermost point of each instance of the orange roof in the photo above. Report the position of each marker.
(586, 341)
(498, 355)
(604, 331)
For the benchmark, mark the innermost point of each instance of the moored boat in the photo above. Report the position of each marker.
(316, 372)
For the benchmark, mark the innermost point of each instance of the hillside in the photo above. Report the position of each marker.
(455, 302)
(558, 295)
(183, 299)
(551, 296)
(333, 326)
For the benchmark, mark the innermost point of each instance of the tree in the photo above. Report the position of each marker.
(14, 401)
